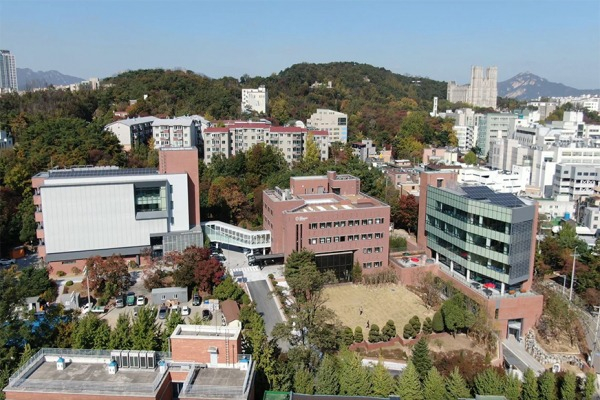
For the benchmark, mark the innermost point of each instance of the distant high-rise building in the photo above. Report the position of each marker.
(481, 92)
(255, 100)
(8, 71)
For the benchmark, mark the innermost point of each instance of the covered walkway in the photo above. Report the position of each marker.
(231, 235)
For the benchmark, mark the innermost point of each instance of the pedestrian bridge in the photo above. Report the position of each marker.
(231, 235)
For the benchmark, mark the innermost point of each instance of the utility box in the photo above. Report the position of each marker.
(17, 252)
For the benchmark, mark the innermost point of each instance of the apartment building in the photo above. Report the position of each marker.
(255, 100)
(237, 137)
(331, 217)
(575, 180)
(588, 213)
(132, 132)
(101, 211)
(441, 155)
(492, 127)
(8, 72)
(499, 181)
(334, 122)
(176, 132)
(364, 149)
(485, 242)
(205, 362)
(482, 91)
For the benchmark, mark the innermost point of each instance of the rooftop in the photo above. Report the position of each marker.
(218, 383)
(88, 171)
(133, 121)
(231, 331)
(485, 194)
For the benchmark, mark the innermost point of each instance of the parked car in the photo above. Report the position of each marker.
(162, 312)
(206, 315)
(185, 311)
(87, 307)
(216, 250)
(120, 301)
(219, 257)
(131, 299)
(196, 300)
(7, 262)
(141, 300)
(99, 309)
(247, 252)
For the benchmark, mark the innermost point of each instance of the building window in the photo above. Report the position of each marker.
(312, 225)
(350, 223)
(336, 239)
(322, 240)
(364, 236)
(313, 241)
(322, 225)
(150, 199)
(370, 221)
(364, 222)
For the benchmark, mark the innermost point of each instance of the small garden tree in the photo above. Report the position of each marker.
(437, 324)
(388, 331)
(408, 331)
(427, 326)
(358, 335)
(347, 336)
(374, 335)
(416, 324)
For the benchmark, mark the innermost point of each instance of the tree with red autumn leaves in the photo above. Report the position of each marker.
(107, 274)
(195, 267)
(405, 212)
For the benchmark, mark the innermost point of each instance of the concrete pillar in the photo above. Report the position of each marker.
(502, 288)
(468, 274)
(451, 265)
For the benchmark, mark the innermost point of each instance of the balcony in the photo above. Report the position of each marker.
(39, 233)
(39, 217)
(37, 200)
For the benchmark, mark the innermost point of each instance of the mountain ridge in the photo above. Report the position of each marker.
(30, 79)
(528, 86)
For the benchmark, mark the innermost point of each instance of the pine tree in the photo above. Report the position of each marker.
(530, 386)
(456, 386)
(547, 385)
(489, 382)
(568, 386)
(358, 335)
(438, 322)
(120, 337)
(327, 376)
(512, 387)
(27, 354)
(409, 386)
(304, 382)
(421, 359)
(173, 320)
(434, 387)
(355, 380)
(102, 336)
(589, 388)
(144, 330)
(383, 382)
(427, 326)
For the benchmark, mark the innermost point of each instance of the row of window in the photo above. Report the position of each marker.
(375, 264)
(349, 238)
(342, 224)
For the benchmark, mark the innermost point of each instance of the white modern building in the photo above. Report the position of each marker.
(255, 100)
(101, 211)
(499, 181)
(132, 132)
(8, 72)
(560, 206)
(364, 149)
(575, 180)
(334, 122)
(493, 126)
(481, 92)
(176, 132)
(237, 137)
(6, 141)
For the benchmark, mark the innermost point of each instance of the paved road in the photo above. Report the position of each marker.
(515, 354)
(267, 307)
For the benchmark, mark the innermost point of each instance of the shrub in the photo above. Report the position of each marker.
(427, 326)
(347, 336)
(408, 332)
(271, 277)
(438, 322)
(69, 283)
(374, 335)
(75, 271)
(388, 331)
(358, 335)
(245, 299)
(356, 273)
(61, 273)
(416, 324)
(132, 264)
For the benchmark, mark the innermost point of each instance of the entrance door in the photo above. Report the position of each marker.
(514, 328)
(214, 358)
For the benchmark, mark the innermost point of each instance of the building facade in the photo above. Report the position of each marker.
(101, 211)
(8, 72)
(255, 100)
(575, 180)
(492, 127)
(334, 122)
(238, 137)
(481, 92)
(331, 217)
(132, 132)
(175, 132)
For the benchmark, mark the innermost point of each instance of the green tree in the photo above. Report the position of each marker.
(383, 382)
(374, 335)
(28, 352)
(388, 331)
(312, 155)
(120, 336)
(347, 336)
(456, 386)
(409, 386)
(416, 324)
(437, 324)
(91, 333)
(304, 381)
(470, 158)
(355, 380)
(358, 335)
(589, 387)
(421, 358)
(512, 387)
(173, 320)
(530, 386)
(145, 332)
(327, 381)
(488, 382)
(568, 386)
(408, 331)
(457, 315)
(228, 289)
(356, 273)
(547, 385)
(427, 326)
(434, 387)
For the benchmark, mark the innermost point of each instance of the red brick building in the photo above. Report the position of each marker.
(330, 216)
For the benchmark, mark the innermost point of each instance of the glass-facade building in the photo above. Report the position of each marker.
(480, 234)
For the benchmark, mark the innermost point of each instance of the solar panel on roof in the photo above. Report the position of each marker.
(478, 192)
(85, 172)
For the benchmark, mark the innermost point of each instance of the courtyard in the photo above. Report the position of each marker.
(379, 304)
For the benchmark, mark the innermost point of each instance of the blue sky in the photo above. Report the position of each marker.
(558, 40)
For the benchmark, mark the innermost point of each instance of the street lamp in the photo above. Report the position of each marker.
(573, 276)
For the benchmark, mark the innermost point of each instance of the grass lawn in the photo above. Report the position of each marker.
(379, 304)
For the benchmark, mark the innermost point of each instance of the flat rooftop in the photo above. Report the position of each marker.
(204, 331)
(487, 195)
(80, 172)
(86, 377)
(220, 377)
